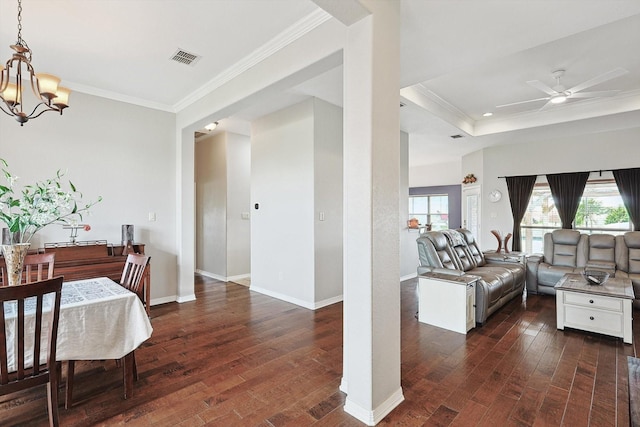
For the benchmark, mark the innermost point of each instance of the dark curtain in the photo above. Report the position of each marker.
(520, 189)
(567, 189)
(628, 181)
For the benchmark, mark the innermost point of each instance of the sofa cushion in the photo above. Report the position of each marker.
(549, 275)
(434, 251)
(459, 246)
(632, 241)
(565, 248)
(472, 245)
(602, 248)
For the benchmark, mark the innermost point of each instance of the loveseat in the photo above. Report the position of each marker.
(455, 252)
(569, 251)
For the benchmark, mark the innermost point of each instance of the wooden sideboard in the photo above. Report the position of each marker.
(86, 260)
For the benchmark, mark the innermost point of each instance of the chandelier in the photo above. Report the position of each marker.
(48, 95)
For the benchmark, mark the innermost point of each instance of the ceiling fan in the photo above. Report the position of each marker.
(559, 94)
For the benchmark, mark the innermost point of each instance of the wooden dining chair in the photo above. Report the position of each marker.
(132, 279)
(133, 273)
(26, 373)
(36, 267)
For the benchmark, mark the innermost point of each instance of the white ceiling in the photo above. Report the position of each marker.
(459, 59)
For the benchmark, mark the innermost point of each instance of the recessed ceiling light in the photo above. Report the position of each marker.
(488, 114)
(211, 126)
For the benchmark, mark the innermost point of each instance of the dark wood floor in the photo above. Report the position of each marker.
(238, 358)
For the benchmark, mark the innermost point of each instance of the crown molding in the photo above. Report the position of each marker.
(279, 42)
(90, 90)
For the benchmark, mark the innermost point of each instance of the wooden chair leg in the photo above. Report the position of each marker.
(52, 397)
(69, 389)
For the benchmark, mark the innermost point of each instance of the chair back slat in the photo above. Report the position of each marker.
(36, 267)
(4, 370)
(20, 326)
(133, 273)
(34, 373)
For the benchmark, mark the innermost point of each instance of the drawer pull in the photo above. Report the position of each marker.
(591, 301)
(591, 317)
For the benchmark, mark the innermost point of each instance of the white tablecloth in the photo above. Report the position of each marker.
(99, 319)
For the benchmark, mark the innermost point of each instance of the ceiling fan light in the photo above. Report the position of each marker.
(559, 99)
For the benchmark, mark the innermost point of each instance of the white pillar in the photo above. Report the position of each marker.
(371, 376)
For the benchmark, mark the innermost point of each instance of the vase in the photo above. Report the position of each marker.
(14, 260)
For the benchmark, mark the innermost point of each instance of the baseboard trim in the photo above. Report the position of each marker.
(222, 278)
(163, 300)
(371, 418)
(212, 275)
(328, 301)
(186, 298)
(282, 297)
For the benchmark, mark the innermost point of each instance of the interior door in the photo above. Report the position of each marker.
(471, 210)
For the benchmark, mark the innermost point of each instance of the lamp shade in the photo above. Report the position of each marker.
(11, 95)
(47, 85)
(61, 99)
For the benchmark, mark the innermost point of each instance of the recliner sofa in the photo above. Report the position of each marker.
(455, 252)
(569, 251)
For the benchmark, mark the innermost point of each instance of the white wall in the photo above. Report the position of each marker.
(408, 245)
(446, 173)
(282, 175)
(327, 144)
(119, 151)
(238, 202)
(211, 205)
(296, 164)
(223, 170)
(607, 150)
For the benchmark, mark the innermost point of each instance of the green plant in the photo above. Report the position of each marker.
(41, 204)
(617, 215)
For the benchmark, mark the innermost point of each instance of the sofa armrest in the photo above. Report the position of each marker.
(533, 263)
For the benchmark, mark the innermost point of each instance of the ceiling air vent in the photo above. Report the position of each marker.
(185, 57)
(456, 136)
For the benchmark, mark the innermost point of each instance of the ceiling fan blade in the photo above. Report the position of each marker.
(599, 79)
(599, 94)
(547, 105)
(522, 102)
(541, 86)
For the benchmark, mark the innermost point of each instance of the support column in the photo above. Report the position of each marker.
(371, 376)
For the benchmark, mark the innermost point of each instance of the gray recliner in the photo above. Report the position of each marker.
(565, 251)
(628, 261)
(449, 252)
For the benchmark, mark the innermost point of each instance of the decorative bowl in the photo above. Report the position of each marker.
(595, 277)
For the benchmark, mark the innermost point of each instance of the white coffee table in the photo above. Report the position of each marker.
(604, 309)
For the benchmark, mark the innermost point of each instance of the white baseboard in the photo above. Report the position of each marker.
(223, 278)
(163, 300)
(186, 298)
(371, 418)
(296, 301)
(238, 277)
(328, 301)
(212, 275)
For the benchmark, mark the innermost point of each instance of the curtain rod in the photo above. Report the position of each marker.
(545, 174)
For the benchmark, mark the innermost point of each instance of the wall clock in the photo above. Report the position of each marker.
(495, 196)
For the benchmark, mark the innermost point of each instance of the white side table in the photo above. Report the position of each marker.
(447, 301)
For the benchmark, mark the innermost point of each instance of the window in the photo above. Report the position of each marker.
(432, 209)
(601, 210)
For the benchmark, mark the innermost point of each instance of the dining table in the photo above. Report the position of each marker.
(99, 319)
